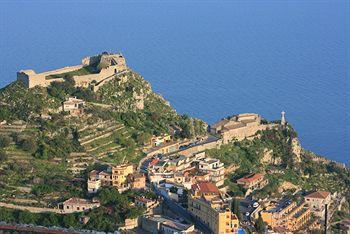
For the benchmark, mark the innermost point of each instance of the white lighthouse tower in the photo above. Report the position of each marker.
(283, 119)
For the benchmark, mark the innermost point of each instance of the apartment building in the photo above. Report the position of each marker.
(287, 215)
(206, 204)
(317, 202)
(253, 181)
(214, 168)
(120, 174)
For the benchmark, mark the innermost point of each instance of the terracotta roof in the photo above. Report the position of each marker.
(154, 161)
(138, 175)
(104, 173)
(93, 173)
(206, 187)
(250, 178)
(78, 201)
(319, 195)
(143, 199)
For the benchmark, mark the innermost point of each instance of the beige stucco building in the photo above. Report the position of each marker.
(78, 205)
(238, 127)
(214, 168)
(73, 106)
(93, 72)
(120, 174)
(317, 202)
(206, 204)
(253, 181)
(287, 215)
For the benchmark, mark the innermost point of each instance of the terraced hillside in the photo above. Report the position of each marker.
(45, 152)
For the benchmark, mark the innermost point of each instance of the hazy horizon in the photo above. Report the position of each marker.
(209, 60)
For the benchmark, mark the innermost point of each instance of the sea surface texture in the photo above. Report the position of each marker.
(210, 59)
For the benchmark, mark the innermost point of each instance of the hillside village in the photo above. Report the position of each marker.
(92, 147)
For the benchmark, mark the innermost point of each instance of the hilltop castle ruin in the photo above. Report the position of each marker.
(93, 72)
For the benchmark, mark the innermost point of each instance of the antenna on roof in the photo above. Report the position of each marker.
(123, 159)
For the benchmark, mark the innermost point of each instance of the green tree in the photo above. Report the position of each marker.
(27, 144)
(69, 220)
(3, 156)
(50, 219)
(260, 225)
(235, 208)
(5, 141)
(6, 215)
(27, 217)
(143, 138)
(42, 152)
(42, 189)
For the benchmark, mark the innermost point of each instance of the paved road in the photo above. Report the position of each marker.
(182, 212)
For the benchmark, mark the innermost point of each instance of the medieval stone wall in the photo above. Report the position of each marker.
(32, 79)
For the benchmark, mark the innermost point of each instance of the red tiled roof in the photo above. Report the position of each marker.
(250, 178)
(143, 199)
(104, 173)
(78, 201)
(138, 175)
(93, 173)
(319, 195)
(154, 161)
(206, 187)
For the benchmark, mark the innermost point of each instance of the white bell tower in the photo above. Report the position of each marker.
(283, 118)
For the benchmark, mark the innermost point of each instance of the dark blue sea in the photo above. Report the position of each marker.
(210, 59)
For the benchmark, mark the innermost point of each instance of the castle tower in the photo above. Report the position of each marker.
(283, 118)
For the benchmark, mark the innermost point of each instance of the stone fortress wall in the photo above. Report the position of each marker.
(239, 127)
(108, 65)
(31, 79)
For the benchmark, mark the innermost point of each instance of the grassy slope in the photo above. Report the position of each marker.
(307, 174)
(17, 102)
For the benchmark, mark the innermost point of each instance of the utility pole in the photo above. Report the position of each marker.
(325, 218)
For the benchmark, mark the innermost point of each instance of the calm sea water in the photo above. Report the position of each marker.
(210, 59)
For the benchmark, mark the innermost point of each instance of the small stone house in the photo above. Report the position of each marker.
(78, 205)
(73, 106)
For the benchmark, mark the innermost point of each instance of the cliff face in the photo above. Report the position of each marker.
(269, 158)
(296, 149)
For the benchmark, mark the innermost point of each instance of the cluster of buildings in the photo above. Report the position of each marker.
(184, 171)
(288, 216)
(93, 72)
(238, 127)
(122, 177)
(203, 179)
